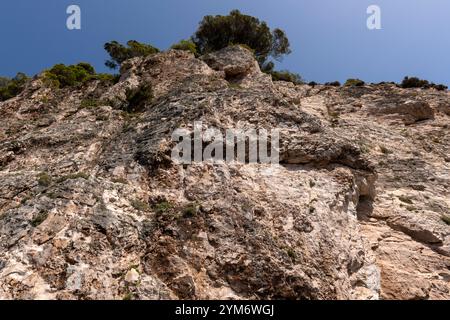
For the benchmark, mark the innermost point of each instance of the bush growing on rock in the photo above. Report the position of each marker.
(354, 83)
(333, 84)
(218, 32)
(440, 87)
(39, 218)
(385, 82)
(62, 76)
(9, 88)
(415, 82)
(119, 53)
(186, 45)
(44, 179)
(4, 82)
(106, 77)
(285, 75)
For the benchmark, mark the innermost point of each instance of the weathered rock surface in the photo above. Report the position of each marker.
(92, 207)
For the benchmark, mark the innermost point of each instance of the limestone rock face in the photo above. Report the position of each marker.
(93, 207)
(234, 61)
(409, 111)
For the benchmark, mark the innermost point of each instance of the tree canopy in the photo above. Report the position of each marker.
(119, 53)
(10, 88)
(65, 76)
(4, 81)
(415, 82)
(186, 45)
(217, 32)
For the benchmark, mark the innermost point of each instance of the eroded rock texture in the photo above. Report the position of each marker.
(92, 207)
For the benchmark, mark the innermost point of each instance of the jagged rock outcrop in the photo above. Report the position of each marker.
(93, 207)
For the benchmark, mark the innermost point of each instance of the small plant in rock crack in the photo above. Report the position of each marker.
(405, 199)
(165, 214)
(191, 210)
(235, 86)
(127, 296)
(39, 218)
(92, 103)
(74, 176)
(291, 253)
(334, 115)
(446, 219)
(140, 205)
(364, 147)
(163, 207)
(119, 180)
(385, 150)
(44, 179)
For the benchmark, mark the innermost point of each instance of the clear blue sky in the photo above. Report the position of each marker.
(329, 38)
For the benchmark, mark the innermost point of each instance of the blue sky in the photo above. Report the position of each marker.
(329, 38)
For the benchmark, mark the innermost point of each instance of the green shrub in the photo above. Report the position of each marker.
(44, 179)
(190, 210)
(415, 82)
(354, 83)
(74, 176)
(39, 218)
(186, 45)
(333, 84)
(91, 103)
(9, 88)
(106, 77)
(235, 86)
(440, 87)
(312, 84)
(286, 76)
(163, 207)
(4, 82)
(217, 32)
(62, 76)
(140, 205)
(87, 67)
(119, 53)
(291, 253)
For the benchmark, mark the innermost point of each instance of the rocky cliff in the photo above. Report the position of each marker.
(93, 207)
